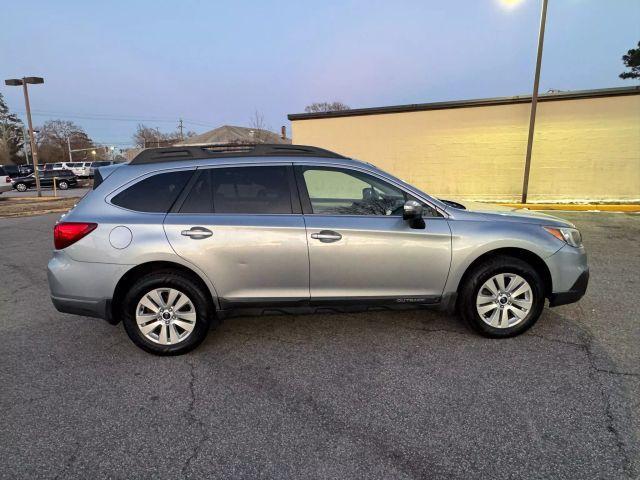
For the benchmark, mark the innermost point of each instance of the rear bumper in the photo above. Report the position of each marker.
(85, 307)
(83, 288)
(574, 294)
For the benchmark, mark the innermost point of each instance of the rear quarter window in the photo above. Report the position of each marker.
(154, 194)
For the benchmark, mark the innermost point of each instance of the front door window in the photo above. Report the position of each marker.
(340, 192)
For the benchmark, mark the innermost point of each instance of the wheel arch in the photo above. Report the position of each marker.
(131, 275)
(525, 255)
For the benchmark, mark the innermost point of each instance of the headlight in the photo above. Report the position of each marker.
(569, 235)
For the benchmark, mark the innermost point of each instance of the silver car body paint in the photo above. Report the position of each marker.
(265, 258)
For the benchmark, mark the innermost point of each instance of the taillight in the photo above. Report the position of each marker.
(7, 179)
(68, 233)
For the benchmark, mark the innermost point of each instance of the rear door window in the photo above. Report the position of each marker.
(154, 194)
(241, 190)
(252, 190)
(200, 197)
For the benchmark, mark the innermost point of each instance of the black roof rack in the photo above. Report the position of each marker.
(190, 152)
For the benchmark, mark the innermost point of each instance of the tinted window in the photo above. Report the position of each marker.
(343, 192)
(257, 190)
(154, 194)
(2, 171)
(200, 198)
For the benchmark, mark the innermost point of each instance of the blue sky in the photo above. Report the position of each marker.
(216, 62)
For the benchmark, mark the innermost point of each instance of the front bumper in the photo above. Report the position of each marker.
(574, 294)
(569, 275)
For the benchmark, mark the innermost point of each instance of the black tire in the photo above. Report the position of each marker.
(63, 185)
(21, 187)
(168, 279)
(483, 272)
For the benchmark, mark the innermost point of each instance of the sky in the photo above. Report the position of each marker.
(109, 65)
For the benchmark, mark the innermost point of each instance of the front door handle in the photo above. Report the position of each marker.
(197, 233)
(326, 236)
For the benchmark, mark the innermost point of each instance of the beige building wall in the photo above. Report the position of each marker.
(584, 149)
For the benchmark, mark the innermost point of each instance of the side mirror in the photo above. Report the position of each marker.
(412, 212)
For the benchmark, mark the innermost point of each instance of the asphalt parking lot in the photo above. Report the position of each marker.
(376, 395)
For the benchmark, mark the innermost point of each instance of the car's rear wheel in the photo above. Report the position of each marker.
(502, 297)
(166, 313)
(21, 187)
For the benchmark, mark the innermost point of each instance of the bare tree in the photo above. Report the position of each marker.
(261, 133)
(147, 137)
(319, 107)
(54, 138)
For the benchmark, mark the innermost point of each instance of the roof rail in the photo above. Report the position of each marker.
(190, 152)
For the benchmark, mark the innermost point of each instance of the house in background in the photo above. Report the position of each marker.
(225, 135)
(238, 135)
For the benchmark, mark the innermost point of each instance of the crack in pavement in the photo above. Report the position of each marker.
(193, 420)
(587, 348)
(69, 462)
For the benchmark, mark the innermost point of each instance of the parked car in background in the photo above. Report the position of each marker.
(15, 171)
(64, 179)
(82, 169)
(180, 237)
(53, 166)
(99, 164)
(5, 180)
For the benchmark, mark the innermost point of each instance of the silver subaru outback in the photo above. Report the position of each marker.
(181, 237)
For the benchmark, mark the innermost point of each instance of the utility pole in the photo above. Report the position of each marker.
(180, 127)
(534, 103)
(69, 147)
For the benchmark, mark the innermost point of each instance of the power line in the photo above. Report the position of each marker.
(114, 117)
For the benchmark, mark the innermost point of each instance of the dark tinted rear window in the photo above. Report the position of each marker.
(248, 190)
(154, 194)
(200, 198)
(2, 171)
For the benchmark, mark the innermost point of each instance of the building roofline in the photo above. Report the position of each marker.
(481, 102)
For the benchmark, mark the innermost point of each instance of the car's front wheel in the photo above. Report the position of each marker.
(166, 313)
(63, 185)
(502, 297)
(21, 187)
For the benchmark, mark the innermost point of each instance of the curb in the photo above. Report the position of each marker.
(583, 207)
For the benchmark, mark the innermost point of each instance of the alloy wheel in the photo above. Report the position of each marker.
(504, 300)
(165, 316)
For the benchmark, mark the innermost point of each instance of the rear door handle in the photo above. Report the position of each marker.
(197, 233)
(326, 236)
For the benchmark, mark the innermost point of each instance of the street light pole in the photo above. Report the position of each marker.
(534, 103)
(32, 140)
(14, 82)
(24, 145)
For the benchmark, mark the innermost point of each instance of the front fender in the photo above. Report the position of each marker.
(471, 239)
